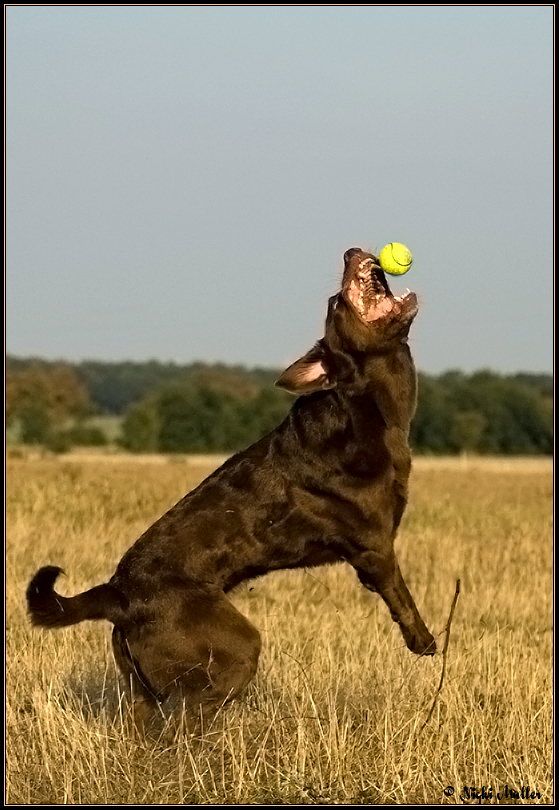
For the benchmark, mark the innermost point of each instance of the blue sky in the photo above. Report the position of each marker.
(182, 181)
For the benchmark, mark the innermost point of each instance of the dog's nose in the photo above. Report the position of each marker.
(351, 252)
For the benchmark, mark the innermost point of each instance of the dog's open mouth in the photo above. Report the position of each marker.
(368, 292)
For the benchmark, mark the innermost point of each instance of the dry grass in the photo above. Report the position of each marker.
(336, 712)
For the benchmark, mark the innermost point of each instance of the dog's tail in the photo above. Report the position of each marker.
(48, 609)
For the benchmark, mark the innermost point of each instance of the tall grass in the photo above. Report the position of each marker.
(337, 711)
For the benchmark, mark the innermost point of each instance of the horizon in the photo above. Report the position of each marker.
(9, 356)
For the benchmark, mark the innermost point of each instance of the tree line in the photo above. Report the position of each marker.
(167, 407)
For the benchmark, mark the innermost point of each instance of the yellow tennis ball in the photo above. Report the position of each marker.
(395, 259)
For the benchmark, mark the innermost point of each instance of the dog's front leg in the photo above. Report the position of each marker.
(381, 573)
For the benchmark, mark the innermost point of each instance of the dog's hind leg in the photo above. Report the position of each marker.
(143, 703)
(381, 573)
(196, 649)
(225, 647)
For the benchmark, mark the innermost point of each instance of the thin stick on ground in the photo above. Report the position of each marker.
(445, 652)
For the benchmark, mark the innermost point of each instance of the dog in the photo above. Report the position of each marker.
(329, 484)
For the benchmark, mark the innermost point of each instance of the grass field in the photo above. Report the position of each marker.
(337, 711)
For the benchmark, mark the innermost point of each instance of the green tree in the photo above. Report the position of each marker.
(43, 398)
(194, 420)
(517, 420)
(35, 424)
(431, 424)
(141, 426)
(466, 430)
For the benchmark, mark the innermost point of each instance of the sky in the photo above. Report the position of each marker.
(182, 181)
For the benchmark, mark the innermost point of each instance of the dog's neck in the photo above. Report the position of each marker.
(391, 380)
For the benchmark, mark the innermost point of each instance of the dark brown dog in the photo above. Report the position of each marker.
(329, 484)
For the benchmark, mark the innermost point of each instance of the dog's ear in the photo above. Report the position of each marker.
(308, 374)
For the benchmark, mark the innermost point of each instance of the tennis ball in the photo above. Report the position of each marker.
(395, 259)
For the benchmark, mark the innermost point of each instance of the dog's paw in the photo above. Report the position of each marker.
(421, 643)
